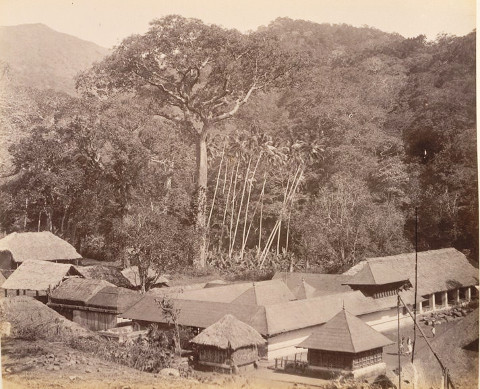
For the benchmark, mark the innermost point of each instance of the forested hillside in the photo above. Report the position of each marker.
(299, 146)
(37, 56)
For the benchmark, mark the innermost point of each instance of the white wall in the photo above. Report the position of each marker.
(386, 320)
(284, 344)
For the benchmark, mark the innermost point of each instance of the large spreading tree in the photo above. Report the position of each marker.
(195, 75)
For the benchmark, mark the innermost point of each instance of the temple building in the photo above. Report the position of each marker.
(289, 308)
(346, 345)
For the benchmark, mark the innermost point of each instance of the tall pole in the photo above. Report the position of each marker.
(416, 285)
(398, 343)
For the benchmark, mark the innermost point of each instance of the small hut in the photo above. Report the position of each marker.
(36, 278)
(19, 247)
(228, 345)
(345, 345)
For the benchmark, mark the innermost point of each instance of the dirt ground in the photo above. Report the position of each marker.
(41, 364)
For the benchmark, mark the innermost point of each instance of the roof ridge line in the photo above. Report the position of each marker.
(348, 327)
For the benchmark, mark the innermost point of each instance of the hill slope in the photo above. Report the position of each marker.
(40, 57)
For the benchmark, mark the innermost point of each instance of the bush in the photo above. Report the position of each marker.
(140, 354)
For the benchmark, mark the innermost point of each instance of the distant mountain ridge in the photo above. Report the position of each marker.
(35, 55)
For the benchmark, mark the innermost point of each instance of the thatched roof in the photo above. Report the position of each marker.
(77, 291)
(250, 293)
(38, 275)
(114, 298)
(43, 246)
(265, 293)
(267, 320)
(133, 276)
(229, 332)
(107, 273)
(374, 273)
(345, 333)
(304, 290)
(324, 284)
(438, 270)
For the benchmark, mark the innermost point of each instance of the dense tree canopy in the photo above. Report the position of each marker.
(323, 167)
(196, 76)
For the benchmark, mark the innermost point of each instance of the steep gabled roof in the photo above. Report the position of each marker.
(267, 320)
(114, 298)
(256, 293)
(315, 311)
(229, 332)
(324, 284)
(201, 314)
(42, 246)
(107, 273)
(304, 291)
(374, 273)
(438, 270)
(38, 275)
(345, 333)
(265, 293)
(77, 291)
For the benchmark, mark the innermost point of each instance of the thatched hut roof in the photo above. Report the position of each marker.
(373, 273)
(345, 333)
(42, 246)
(107, 273)
(77, 290)
(114, 298)
(229, 332)
(38, 275)
(324, 284)
(455, 272)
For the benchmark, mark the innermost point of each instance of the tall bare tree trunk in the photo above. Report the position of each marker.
(201, 217)
(245, 182)
(26, 215)
(226, 207)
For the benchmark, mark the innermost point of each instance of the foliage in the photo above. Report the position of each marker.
(346, 131)
(141, 354)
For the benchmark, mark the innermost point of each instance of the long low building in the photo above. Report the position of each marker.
(287, 309)
(94, 304)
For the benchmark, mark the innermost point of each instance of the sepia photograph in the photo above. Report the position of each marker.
(238, 194)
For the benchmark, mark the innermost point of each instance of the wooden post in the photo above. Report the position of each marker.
(431, 302)
(468, 294)
(427, 341)
(398, 343)
(445, 299)
(457, 296)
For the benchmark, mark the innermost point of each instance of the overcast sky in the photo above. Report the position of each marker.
(107, 22)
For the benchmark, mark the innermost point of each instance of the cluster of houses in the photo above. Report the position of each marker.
(336, 318)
